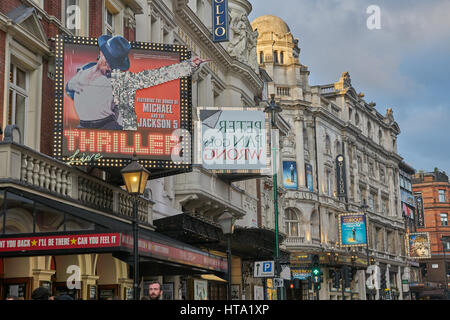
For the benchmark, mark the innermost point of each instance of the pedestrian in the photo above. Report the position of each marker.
(154, 290)
(40, 293)
(104, 92)
(12, 297)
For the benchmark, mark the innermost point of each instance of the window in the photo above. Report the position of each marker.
(261, 57)
(382, 175)
(380, 137)
(371, 169)
(327, 145)
(329, 183)
(357, 119)
(360, 168)
(369, 129)
(371, 202)
(275, 56)
(282, 57)
(441, 195)
(292, 223)
(444, 219)
(350, 114)
(18, 96)
(109, 22)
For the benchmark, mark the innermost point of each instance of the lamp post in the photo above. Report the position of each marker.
(135, 177)
(444, 244)
(364, 208)
(226, 223)
(273, 108)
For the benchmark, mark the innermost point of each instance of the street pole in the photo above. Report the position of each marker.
(444, 243)
(275, 196)
(229, 264)
(135, 250)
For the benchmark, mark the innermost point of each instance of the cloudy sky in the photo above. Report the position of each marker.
(404, 65)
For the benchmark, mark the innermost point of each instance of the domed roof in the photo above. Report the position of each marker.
(269, 23)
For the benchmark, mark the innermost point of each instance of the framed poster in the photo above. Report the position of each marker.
(235, 292)
(419, 245)
(258, 293)
(352, 229)
(114, 97)
(168, 293)
(309, 177)
(200, 290)
(290, 175)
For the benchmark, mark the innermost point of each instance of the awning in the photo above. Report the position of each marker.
(212, 277)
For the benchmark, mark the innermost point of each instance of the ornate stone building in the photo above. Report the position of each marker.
(326, 121)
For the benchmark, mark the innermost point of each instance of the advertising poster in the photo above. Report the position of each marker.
(309, 177)
(200, 290)
(115, 97)
(301, 273)
(352, 229)
(258, 293)
(290, 174)
(234, 140)
(419, 245)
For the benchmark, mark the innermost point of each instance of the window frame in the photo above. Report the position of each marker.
(441, 192)
(17, 90)
(289, 220)
(441, 215)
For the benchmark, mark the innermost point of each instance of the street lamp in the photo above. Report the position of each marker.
(273, 108)
(226, 223)
(364, 208)
(135, 177)
(445, 242)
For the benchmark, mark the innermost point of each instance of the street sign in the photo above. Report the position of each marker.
(278, 283)
(264, 269)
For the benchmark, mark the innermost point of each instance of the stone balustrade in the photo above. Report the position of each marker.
(29, 168)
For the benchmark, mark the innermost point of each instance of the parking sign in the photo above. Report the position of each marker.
(263, 269)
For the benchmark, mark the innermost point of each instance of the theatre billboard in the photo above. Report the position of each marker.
(115, 97)
(234, 140)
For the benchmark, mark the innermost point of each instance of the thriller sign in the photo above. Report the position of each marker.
(115, 97)
(220, 20)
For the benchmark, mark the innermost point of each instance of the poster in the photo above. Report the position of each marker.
(234, 140)
(419, 245)
(352, 229)
(115, 97)
(200, 290)
(290, 175)
(309, 177)
(258, 293)
(235, 292)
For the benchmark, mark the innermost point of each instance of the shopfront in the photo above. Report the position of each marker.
(71, 250)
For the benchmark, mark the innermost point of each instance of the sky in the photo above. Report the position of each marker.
(404, 65)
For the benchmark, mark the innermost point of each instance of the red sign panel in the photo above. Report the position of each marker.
(66, 242)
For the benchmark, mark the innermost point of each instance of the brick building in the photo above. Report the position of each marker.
(434, 189)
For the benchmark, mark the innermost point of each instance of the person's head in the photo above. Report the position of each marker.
(12, 298)
(114, 52)
(154, 290)
(40, 293)
(63, 297)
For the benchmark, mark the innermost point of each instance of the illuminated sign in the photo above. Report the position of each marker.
(352, 229)
(220, 20)
(115, 97)
(290, 175)
(234, 140)
(340, 176)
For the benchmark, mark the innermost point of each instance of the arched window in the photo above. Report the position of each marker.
(380, 137)
(357, 119)
(369, 129)
(292, 223)
(338, 147)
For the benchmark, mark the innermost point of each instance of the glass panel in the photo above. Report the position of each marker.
(21, 78)
(19, 214)
(74, 224)
(109, 18)
(11, 73)
(48, 219)
(20, 113)
(294, 229)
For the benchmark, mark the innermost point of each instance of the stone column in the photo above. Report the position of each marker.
(299, 152)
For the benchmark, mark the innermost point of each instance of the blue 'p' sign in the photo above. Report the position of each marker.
(267, 267)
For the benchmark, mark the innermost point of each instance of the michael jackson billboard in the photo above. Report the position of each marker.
(115, 98)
